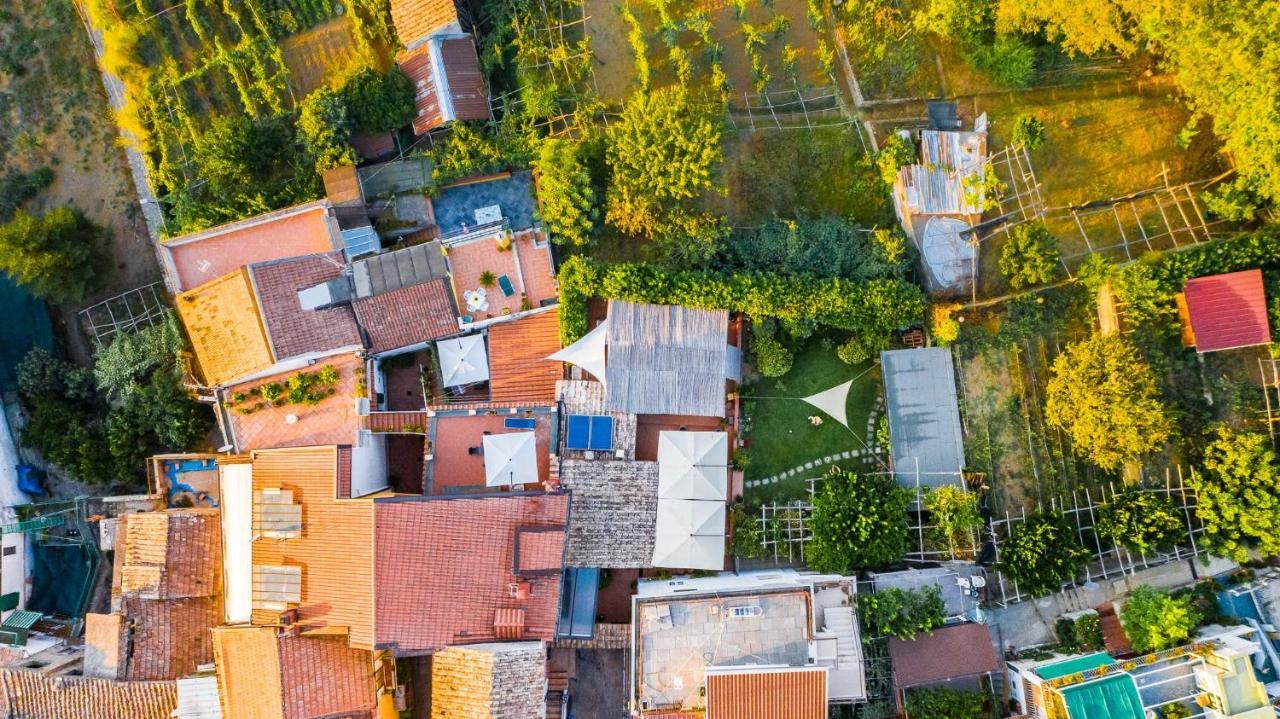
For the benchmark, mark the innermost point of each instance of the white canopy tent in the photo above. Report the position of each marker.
(510, 458)
(693, 465)
(463, 360)
(588, 352)
(690, 534)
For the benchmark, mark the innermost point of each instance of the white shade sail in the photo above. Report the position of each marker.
(693, 465)
(588, 352)
(510, 458)
(690, 534)
(463, 360)
(833, 401)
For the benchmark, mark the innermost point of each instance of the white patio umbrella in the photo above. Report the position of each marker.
(510, 458)
(463, 360)
(588, 352)
(689, 534)
(693, 465)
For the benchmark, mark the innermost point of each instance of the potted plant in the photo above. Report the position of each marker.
(488, 279)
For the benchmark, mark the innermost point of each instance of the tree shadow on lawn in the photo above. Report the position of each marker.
(781, 436)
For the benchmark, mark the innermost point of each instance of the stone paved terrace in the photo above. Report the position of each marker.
(679, 639)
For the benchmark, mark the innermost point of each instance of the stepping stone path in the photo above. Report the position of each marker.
(869, 452)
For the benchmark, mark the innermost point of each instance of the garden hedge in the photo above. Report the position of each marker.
(1259, 249)
(870, 308)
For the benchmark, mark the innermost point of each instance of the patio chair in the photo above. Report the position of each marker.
(505, 283)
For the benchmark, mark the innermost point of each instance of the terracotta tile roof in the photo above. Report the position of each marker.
(488, 681)
(265, 676)
(408, 315)
(959, 650)
(466, 84)
(1228, 311)
(169, 639)
(199, 257)
(417, 19)
(226, 331)
(337, 584)
(29, 695)
(768, 694)
(171, 554)
(538, 551)
(291, 329)
(443, 569)
(519, 371)
(331, 421)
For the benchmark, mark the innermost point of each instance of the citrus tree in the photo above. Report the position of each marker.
(1238, 495)
(1042, 554)
(1154, 620)
(1141, 521)
(858, 521)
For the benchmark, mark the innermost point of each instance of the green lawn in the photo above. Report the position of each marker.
(780, 435)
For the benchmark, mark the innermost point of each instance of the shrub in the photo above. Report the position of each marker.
(772, 359)
(1065, 630)
(1142, 521)
(40, 374)
(1154, 620)
(132, 356)
(60, 256)
(897, 152)
(1088, 633)
(17, 187)
(324, 128)
(1238, 495)
(568, 198)
(943, 703)
(954, 514)
(858, 522)
(378, 101)
(465, 152)
(1028, 131)
(747, 536)
(901, 613)
(945, 328)
(828, 247)
(1010, 61)
(1042, 554)
(1234, 201)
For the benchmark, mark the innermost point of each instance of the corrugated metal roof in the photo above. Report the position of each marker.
(936, 185)
(799, 693)
(924, 415)
(390, 271)
(665, 359)
(198, 698)
(464, 79)
(1228, 311)
(419, 68)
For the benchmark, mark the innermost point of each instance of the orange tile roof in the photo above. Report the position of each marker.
(408, 315)
(768, 694)
(169, 638)
(485, 681)
(335, 550)
(225, 327)
(332, 421)
(519, 371)
(30, 695)
(418, 19)
(444, 569)
(265, 676)
(200, 257)
(171, 554)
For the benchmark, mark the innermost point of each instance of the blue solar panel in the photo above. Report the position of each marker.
(578, 432)
(601, 433)
(520, 423)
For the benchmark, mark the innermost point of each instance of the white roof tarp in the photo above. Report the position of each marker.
(833, 401)
(690, 534)
(693, 465)
(510, 458)
(588, 352)
(463, 360)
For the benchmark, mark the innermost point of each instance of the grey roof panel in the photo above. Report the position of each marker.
(924, 415)
(665, 359)
(390, 271)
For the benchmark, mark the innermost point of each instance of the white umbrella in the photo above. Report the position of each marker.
(510, 458)
(588, 352)
(463, 360)
(693, 465)
(689, 535)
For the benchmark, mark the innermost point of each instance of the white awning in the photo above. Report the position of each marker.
(463, 360)
(588, 352)
(693, 465)
(689, 535)
(510, 458)
(235, 486)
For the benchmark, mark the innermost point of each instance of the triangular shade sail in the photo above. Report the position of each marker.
(510, 458)
(463, 360)
(693, 465)
(690, 534)
(588, 352)
(833, 401)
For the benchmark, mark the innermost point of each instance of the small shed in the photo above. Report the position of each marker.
(957, 656)
(1227, 311)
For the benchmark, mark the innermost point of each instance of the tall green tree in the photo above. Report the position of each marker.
(378, 101)
(1154, 620)
(1030, 257)
(1042, 553)
(1104, 396)
(61, 256)
(858, 521)
(569, 204)
(1142, 521)
(664, 152)
(324, 128)
(901, 613)
(1238, 495)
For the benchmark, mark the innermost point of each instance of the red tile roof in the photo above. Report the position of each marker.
(169, 638)
(768, 694)
(1228, 311)
(30, 695)
(194, 259)
(960, 650)
(293, 330)
(519, 371)
(408, 315)
(168, 555)
(442, 570)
